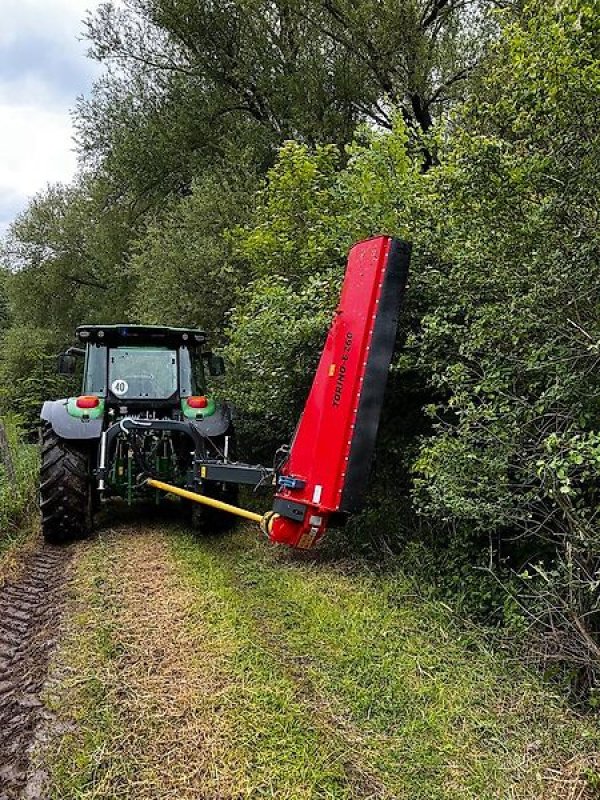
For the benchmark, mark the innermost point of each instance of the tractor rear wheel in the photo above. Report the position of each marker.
(213, 520)
(205, 519)
(66, 497)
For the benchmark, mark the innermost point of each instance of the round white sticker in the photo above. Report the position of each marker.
(119, 387)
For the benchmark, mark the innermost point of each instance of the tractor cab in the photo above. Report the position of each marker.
(141, 367)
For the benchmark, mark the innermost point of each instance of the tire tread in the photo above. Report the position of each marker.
(65, 489)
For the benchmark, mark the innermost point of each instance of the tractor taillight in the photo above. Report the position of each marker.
(197, 401)
(87, 401)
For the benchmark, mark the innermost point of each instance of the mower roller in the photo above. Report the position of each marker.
(144, 425)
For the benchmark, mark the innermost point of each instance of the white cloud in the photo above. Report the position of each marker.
(42, 70)
(27, 17)
(35, 147)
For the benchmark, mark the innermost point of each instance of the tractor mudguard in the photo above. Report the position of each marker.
(68, 427)
(217, 424)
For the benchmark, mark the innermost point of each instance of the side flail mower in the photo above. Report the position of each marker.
(324, 473)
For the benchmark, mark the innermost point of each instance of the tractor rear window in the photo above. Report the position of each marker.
(95, 371)
(144, 373)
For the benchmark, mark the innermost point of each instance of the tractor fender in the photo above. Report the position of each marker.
(217, 424)
(68, 427)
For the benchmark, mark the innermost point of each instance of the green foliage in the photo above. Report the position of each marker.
(311, 212)
(512, 339)
(184, 271)
(191, 78)
(275, 341)
(4, 298)
(502, 328)
(66, 253)
(293, 231)
(315, 206)
(28, 375)
(489, 448)
(176, 134)
(67, 259)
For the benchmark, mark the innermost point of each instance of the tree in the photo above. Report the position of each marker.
(28, 373)
(188, 79)
(184, 269)
(66, 253)
(502, 328)
(412, 55)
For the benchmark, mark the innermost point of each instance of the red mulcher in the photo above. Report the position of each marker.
(326, 470)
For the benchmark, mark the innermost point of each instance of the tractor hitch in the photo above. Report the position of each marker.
(233, 472)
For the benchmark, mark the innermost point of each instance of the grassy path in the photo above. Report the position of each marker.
(224, 668)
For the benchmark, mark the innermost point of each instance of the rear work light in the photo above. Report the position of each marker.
(197, 401)
(87, 401)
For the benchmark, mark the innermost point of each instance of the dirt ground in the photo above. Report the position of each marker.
(30, 607)
(150, 664)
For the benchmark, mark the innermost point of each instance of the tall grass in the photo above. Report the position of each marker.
(18, 495)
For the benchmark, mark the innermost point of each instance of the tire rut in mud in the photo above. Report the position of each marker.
(29, 614)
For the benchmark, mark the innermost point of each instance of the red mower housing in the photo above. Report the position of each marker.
(329, 459)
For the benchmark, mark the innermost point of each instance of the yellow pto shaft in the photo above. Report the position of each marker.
(207, 501)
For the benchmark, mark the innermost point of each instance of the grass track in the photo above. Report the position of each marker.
(224, 668)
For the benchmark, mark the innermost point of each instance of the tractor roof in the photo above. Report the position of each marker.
(140, 335)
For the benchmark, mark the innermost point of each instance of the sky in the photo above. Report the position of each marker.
(43, 69)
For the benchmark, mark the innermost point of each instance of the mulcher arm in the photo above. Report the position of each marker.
(326, 469)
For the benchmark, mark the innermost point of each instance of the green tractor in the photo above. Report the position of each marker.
(143, 413)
